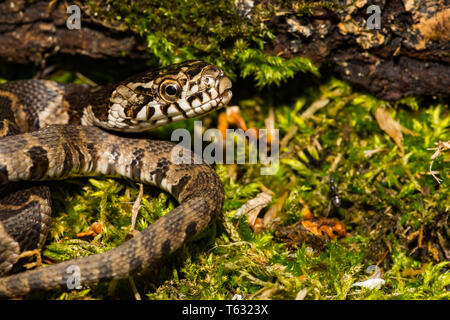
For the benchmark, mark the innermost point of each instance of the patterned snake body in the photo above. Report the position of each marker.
(58, 147)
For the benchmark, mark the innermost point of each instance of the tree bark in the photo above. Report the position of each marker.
(408, 55)
(34, 31)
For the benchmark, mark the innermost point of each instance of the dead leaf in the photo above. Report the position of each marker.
(320, 226)
(392, 127)
(301, 294)
(289, 135)
(314, 107)
(254, 206)
(94, 230)
(273, 213)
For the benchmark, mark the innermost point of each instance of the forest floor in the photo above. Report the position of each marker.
(389, 162)
(391, 180)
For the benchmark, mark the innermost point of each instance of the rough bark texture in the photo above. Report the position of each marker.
(33, 31)
(409, 55)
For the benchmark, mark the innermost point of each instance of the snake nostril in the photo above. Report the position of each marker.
(224, 84)
(215, 70)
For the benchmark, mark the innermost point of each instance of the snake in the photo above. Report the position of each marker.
(52, 131)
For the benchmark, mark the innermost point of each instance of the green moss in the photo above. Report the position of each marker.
(388, 197)
(213, 31)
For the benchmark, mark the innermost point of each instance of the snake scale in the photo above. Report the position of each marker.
(53, 131)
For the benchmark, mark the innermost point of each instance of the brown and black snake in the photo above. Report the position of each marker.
(51, 131)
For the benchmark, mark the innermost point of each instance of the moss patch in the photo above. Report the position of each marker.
(395, 212)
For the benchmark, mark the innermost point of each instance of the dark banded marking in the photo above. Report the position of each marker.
(179, 187)
(150, 112)
(135, 264)
(128, 122)
(38, 156)
(147, 242)
(8, 128)
(34, 280)
(165, 108)
(3, 175)
(197, 95)
(207, 94)
(191, 229)
(80, 156)
(29, 238)
(10, 213)
(145, 91)
(145, 100)
(106, 271)
(165, 247)
(177, 225)
(193, 72)
(11, 196)
(177, 106)
(68, 159)
(192, 84)
(92, 151)
(133, 110)
(8, 116)
(112, 160)
(136, 163)
(153, 242)
(162, 167)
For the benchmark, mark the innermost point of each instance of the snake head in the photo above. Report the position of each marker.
(170, 94)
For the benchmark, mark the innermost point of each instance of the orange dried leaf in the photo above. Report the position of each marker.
(94, 229)
(222, 124)
(320, 226)
(390, 126)
(234, 117)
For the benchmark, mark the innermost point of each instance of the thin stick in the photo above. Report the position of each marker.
(136, 206)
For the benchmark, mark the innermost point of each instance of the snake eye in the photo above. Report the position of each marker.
(170, 90)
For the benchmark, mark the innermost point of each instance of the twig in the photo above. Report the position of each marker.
(136, 206)
(441, 146)
(36, 253)
(137, 296)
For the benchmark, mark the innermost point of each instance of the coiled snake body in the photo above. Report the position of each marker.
(52, 131)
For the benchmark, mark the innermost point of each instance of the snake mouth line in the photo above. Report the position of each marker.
(213, 104)
(176, 111)
(225, 95)
(207, 107)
